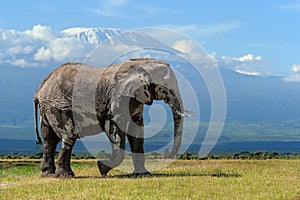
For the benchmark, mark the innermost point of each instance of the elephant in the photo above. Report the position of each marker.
(78, 100)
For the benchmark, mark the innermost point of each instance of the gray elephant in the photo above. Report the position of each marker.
(77, 100)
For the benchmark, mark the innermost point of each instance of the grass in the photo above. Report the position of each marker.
(205, 179)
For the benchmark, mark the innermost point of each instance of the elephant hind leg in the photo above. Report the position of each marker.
(64, 160)
(50, 142)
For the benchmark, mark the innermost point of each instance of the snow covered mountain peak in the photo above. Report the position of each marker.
(91, 35)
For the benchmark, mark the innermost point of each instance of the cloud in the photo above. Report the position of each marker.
(184, 46)
(41, 32)
(248, 64)
(292, 78)
(292, 6)
(112, 8)
(210, 29)
(218, 28)
(152, 10)
(39, 45)
(11, 38)
(113, 3)
(194, 53)
(42, 54)
(295, 68)
(295, 74)
(108, 7)
(61, 49)
(19, 62)
(248, 57)
(19, 49)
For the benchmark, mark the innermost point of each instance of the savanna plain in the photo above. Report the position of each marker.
(182, 179)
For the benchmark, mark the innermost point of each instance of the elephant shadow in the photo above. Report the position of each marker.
(158, 175)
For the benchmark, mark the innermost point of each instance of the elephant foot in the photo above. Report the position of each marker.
(48, 175)
(62, 173)
(103, 168)
(48, 172)
(141, 174)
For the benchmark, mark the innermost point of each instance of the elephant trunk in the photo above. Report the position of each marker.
(175, 103)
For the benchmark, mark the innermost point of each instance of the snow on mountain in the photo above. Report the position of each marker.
(91, 35)
(109, 36)
(247, 73)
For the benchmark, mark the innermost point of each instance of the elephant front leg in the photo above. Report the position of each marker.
(117, 140)
(135, 137)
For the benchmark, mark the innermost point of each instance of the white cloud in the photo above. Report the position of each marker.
(248, 64)
(295, 68)
(108, 7)
(42, 54)
(292, 78)
(206, 29)
(112, 8)
(292, 6)
(39, 45)
(61, 49)
(184, 28)
(249, 57)
(19, 49)
(152, 10)
(67, 48)
(184, 46)
(244, 58)
(10, 38)
(194, 53)
(41, 32)
(19, 62)
(295, 74)
(218, 28)
(114, 3)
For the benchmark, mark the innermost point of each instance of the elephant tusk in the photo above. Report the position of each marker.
(187, 111)
(179, 112)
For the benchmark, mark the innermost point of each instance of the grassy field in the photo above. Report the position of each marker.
(207, 179)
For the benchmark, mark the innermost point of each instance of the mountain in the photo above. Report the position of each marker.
(111, 37)
(91, 35)
(256, 98)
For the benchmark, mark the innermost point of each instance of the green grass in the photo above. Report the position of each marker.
(207, 179)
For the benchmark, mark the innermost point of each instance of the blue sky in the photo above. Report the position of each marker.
(269, 30)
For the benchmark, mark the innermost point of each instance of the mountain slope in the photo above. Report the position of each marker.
(260, 98)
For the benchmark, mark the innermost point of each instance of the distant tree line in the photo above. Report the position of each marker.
(244, 155)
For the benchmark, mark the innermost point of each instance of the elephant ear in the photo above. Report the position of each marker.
(133, 81)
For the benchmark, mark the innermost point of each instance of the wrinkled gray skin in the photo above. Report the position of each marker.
(116, 106)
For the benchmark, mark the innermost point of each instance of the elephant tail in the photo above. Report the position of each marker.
(38, 138)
